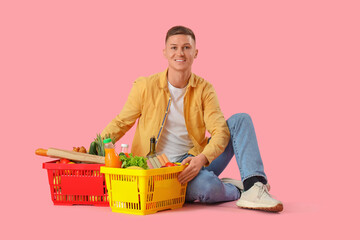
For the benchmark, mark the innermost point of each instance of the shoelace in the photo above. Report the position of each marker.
(263, 189)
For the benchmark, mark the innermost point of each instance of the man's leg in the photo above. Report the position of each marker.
(206, 187)
(246, 150)
(243, 144)
(248, 159)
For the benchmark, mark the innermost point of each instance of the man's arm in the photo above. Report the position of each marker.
(215, 124)
(220, 135)
(128, 115)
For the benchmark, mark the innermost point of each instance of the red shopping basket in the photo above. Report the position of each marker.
(76, 184)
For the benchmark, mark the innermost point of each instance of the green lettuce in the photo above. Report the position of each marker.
(133, 161)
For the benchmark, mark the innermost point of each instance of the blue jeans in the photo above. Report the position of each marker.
(206, 186)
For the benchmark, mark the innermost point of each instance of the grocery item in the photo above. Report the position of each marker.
(64, 160)
(165, 158)
(156, 162)
(111, 157)
(99, 145)
(152, 152)
(170, 164)
(81, 149)
(154, 165)
(161, 160)
(92, 148)
(133, 161)
(124, 148)
(135, 167)
(71, 155)
(149, 164)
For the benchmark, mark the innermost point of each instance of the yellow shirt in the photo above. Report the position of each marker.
(149, 102)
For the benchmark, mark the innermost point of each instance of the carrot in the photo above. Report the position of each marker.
(165, 158)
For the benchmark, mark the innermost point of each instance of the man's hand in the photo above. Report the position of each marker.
(191, 171)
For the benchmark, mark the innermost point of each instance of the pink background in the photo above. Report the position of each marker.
(66, 68)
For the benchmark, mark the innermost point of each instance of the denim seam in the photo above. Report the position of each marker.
(235, 150)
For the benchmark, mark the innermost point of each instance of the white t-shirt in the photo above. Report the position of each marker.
(175, 140)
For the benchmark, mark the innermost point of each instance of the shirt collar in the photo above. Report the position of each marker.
(163, 80)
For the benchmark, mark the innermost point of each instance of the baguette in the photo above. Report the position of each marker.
(157, 162)
(154, 165)
(149, 164)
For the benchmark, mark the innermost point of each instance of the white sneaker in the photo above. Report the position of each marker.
(236, 183)
(258, 197)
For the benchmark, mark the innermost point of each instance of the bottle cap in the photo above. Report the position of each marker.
(124, 145)
(152, 140)
(107, 140)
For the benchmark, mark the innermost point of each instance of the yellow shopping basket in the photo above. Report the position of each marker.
(144, 192)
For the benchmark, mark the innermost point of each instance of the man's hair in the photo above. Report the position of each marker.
(179, 30)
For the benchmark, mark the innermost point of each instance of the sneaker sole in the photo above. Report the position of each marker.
(277, 208)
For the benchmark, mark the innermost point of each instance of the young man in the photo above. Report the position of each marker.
(177, 107)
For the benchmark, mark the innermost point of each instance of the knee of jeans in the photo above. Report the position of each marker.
(237, 118)
(208, 189)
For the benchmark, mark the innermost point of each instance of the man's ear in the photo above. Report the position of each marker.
(196, 53)
(164, 52)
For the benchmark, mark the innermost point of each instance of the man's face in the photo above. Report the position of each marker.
(180, 51)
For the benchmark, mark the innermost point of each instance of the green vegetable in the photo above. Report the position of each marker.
(92, 149)
(133, 161)
(99, 144)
